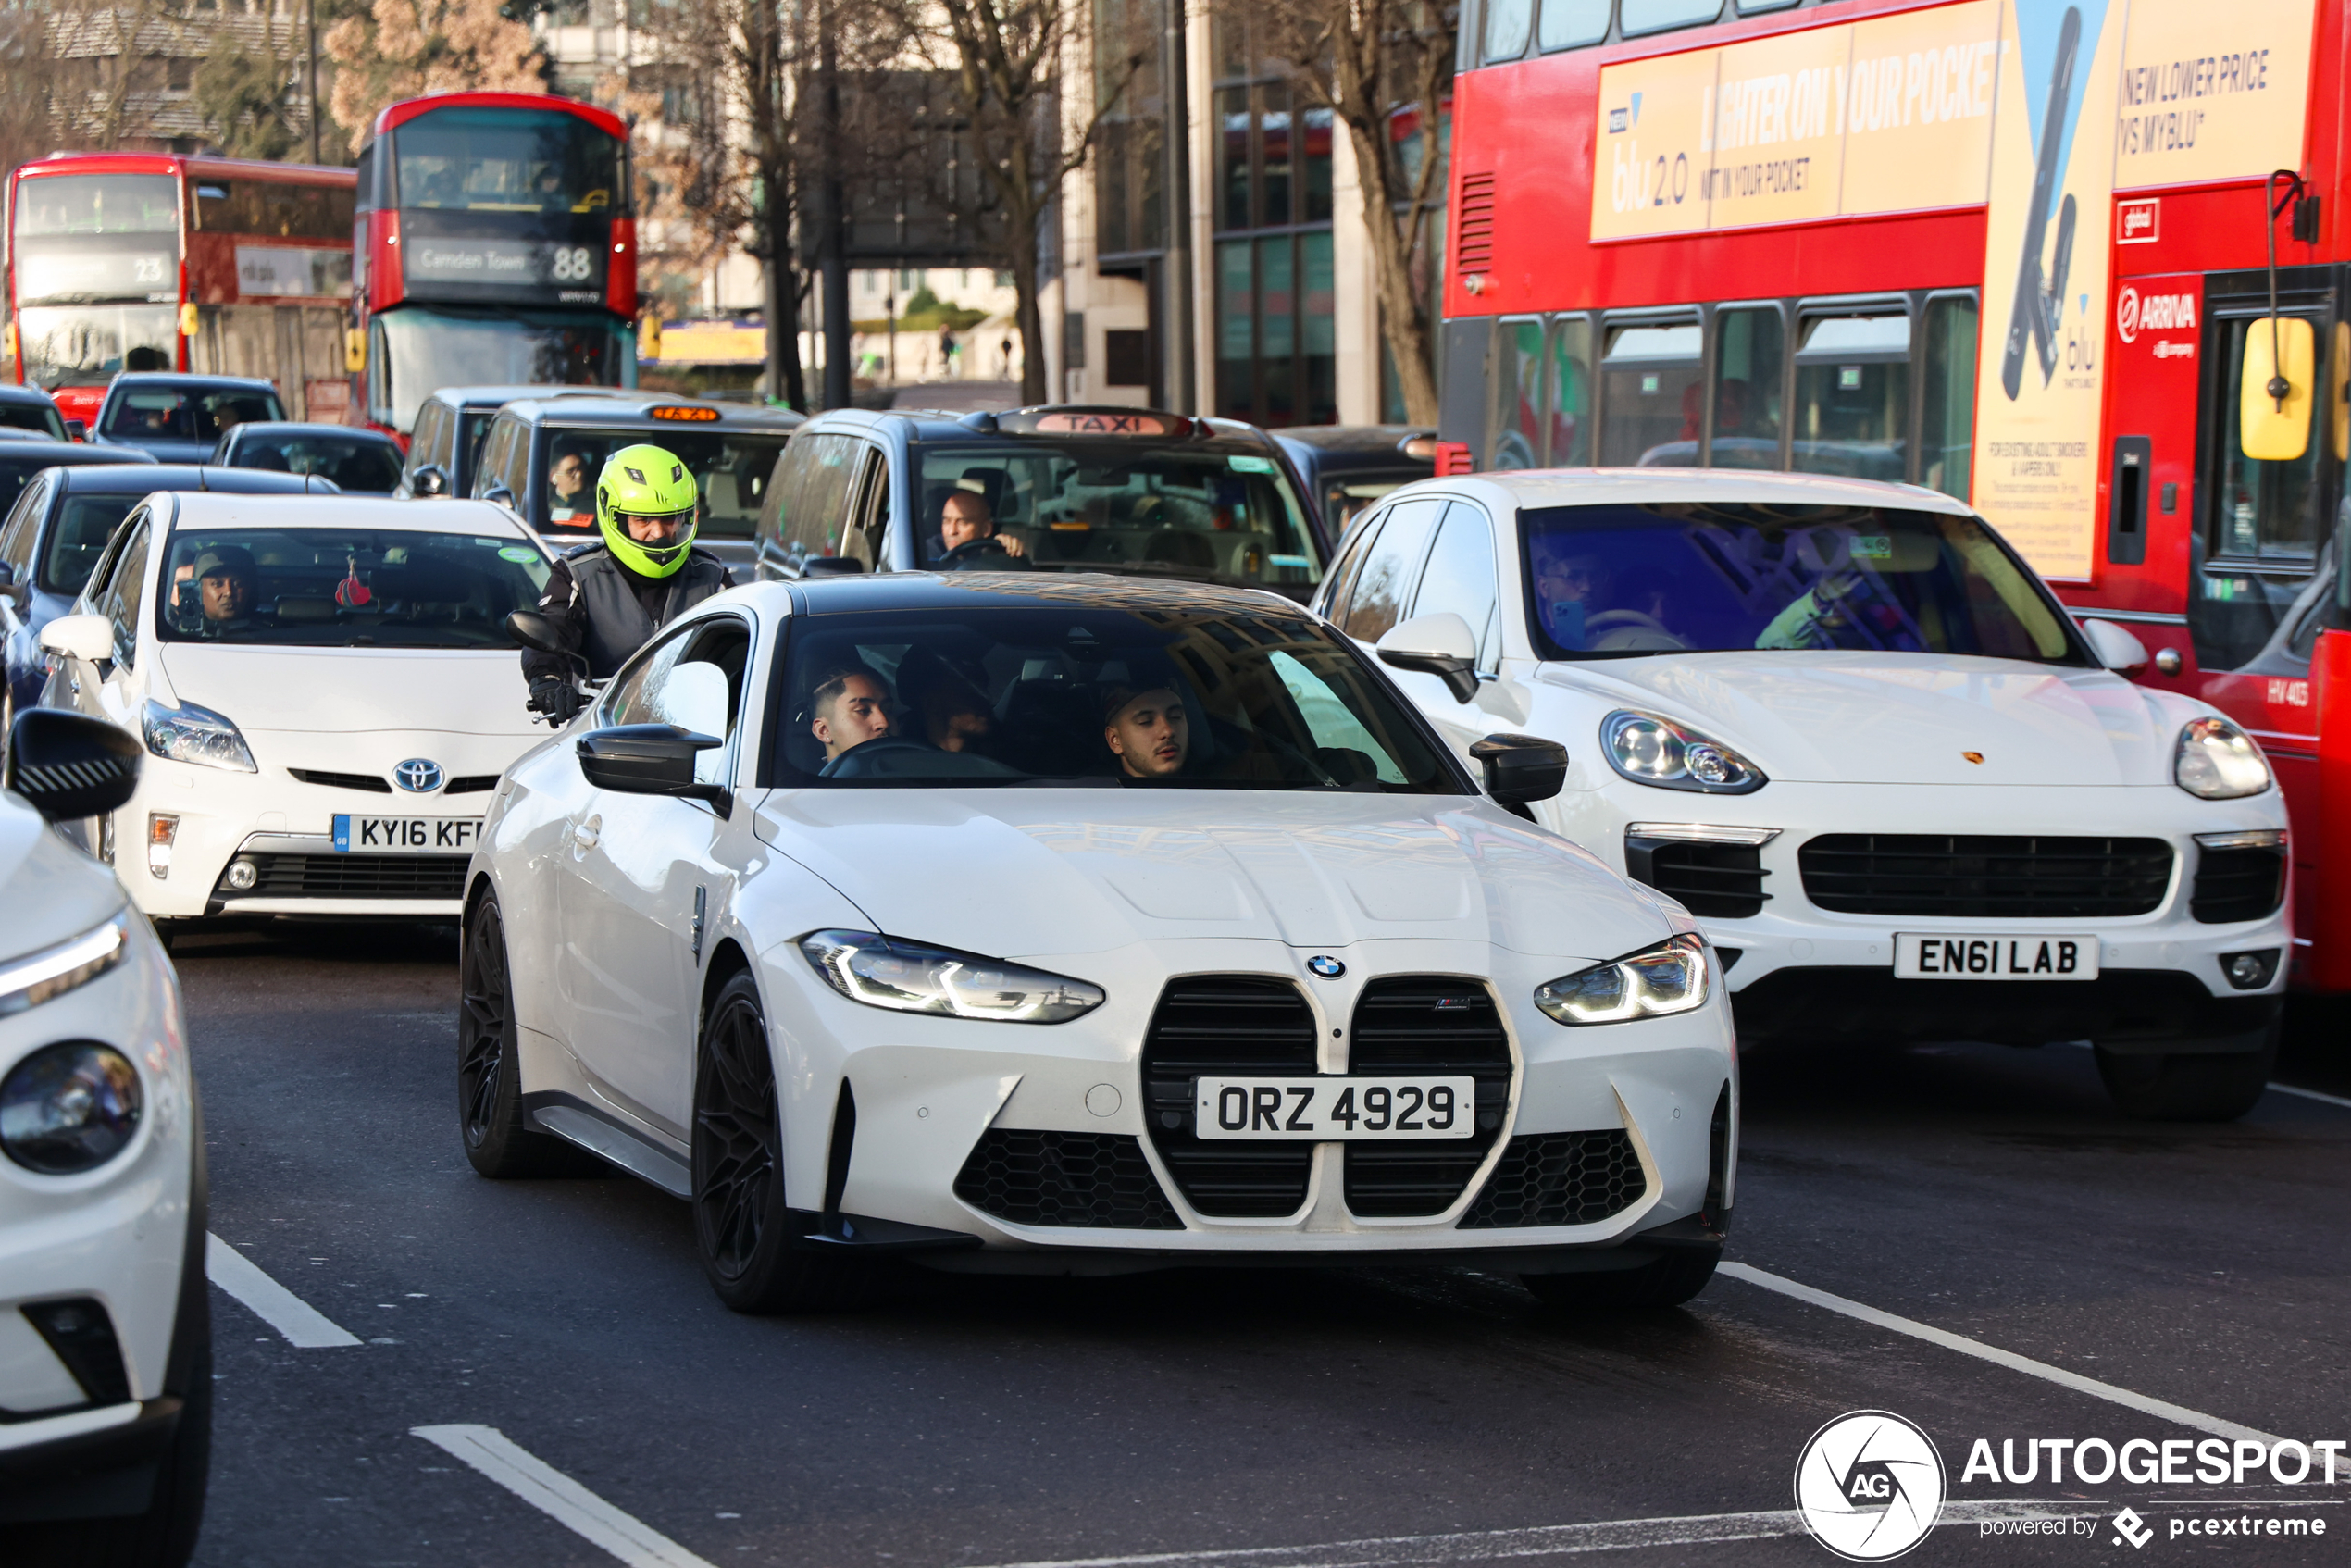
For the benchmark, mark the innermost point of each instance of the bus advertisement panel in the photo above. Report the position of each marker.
(2014, 250)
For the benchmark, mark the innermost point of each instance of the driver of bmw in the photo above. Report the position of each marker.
(644, 572)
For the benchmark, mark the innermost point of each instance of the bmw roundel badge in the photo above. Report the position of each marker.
(1325, 967)
(419, 776)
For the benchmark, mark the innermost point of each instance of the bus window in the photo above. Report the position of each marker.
(1569, 24)
(1506, 27)
(1649, 382)
(1853, 396)
(1750, 349)
(1946, 437)
(2260, 542)
(1571, 393)
(2266, 510)
(1656, 16)
(1518, 381)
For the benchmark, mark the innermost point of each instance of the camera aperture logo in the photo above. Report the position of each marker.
(1870, 1485)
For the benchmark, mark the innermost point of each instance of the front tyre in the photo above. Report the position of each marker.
(489, 1116)
(2191, 1086)
(750, 1250)
(1666, 1281)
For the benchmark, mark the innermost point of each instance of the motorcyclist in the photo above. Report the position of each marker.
(607, 601)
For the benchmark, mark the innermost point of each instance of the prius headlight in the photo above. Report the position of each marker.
(1670, 977)
(189, 733)
(1650, 749)
(916, 978)
(2215, 761)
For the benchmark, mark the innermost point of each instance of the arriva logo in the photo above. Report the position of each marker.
(1870, 1485)
(2156, 312)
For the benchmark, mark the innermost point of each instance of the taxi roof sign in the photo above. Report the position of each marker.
(684, 411)
(1118, 423)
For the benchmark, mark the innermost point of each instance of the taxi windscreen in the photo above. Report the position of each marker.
(1204, 511)
(1626, 581)
(345, 588)
(1163, 691)
(730, 469)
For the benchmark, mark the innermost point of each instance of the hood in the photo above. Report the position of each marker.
(1025, 873)
(352, 691)
(53, 891)
(167, 451)
(1898, 718)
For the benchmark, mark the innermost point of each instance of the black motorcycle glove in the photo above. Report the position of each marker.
(559, 700)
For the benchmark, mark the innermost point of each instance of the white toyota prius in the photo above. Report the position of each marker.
(1079, 922)
(1848, 728)
(327, 690)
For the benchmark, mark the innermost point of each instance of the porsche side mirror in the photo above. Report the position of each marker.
(69, 765)
(1440, 644)
(88, 638)
(651, 759)
(429, 480)
(1520, 769)
(530, 629)
(2115, 647)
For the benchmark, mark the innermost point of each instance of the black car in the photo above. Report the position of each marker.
(180, 419)
(450, 428)
(355, 459)
(31, 409)
(1347, 468)
(59, 526)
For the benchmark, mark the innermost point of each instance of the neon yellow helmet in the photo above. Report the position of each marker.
(646, 481)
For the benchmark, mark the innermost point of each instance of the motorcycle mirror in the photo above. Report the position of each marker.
(530, 629)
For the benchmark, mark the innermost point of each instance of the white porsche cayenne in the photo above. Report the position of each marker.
(1849, 728)
(327, 690)
(1080, 924)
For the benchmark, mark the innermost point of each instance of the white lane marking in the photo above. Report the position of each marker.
(303, 1326)
(2313, 1094)
(2179, 1414)
(1547, 1540)
(559, 1497)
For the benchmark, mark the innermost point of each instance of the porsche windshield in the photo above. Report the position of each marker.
(1157, 692)
(1625, 581)
(1207, 511)
(345, 588)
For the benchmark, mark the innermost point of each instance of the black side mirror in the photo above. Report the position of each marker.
(831, 566)
(1522, 768)
(503, 495)
(431, 478)
(77, 430)
(68, 765)
(7, 578)
(651, 759)
(530, 629)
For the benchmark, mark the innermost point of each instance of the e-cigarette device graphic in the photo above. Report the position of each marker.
(2039, 306)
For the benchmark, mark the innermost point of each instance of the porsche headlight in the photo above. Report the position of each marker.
(1667, 979)
(189, 733)
(1650, 749)
(2215, 761)
(916, 978)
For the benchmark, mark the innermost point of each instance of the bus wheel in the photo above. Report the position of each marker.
(2190, 1086)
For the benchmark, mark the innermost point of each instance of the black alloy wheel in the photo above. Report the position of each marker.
(2191, 1086)
(498, 1141)
(754, 1254)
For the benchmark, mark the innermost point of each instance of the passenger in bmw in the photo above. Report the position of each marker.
(849, 706)
(942, 704)
(1147, 729)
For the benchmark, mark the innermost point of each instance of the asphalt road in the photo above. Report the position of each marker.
(1263, 1420)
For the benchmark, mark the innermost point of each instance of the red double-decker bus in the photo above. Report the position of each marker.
(496, 244)
(139, 261)
(2020, 251)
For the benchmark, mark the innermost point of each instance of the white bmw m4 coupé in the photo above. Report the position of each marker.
(1079, 924)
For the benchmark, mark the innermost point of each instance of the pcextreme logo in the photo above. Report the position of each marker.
(1870, 1485)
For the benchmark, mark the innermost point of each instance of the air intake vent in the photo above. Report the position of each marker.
(1716, 881)
(1067, 1179)
(368, 781)
(1983, 876)
(470, 784)
(1559, 1178)
(351, 876)
(1473, 225)
(1427, 1024)
(2237, 885)
(1237, 1025)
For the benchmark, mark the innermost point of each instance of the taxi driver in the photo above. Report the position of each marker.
(1147, 731)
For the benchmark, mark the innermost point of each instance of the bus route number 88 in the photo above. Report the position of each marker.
(572, 263)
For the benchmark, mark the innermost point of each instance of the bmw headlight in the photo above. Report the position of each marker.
(189, 733)
(69, 1108)
(915, 978)
(2215, 761)
(1670, 977)
(1650, 749)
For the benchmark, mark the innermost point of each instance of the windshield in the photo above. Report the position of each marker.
(1627, 580)
(422, 351)
(85, 345)
(97, 237)
(79, 537)
(32, 417)
(1165, 692)
(170, 414)
(730, 469)
(1220, 511)
(353, 462)
(346, 587)
(506, 160)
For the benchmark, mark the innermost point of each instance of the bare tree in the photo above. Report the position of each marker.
(404, 48)
(1382, 68)
(1029, 133)
(28, 107)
